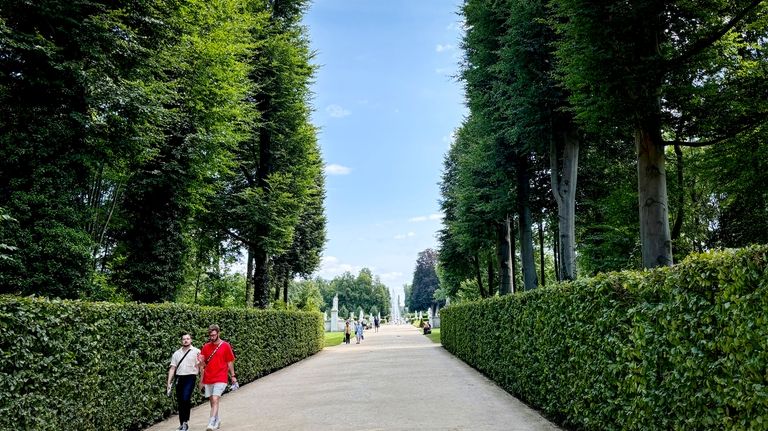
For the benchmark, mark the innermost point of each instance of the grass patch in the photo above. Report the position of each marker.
(435, 335)
(333, 338)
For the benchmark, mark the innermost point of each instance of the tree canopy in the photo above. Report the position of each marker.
(624, 93)
(364, 291)
(145, 145)
(425, 282)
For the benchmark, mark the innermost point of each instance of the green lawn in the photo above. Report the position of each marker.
(333, 338)
(435, 335)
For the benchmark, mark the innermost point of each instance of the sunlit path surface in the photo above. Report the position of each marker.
(396, 379)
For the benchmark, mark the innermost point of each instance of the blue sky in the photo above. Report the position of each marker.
(386, 102)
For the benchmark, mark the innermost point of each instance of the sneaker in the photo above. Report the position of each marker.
(211, 425)
(184, 427)
(217, 424)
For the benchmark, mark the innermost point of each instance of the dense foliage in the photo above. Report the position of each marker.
(365, 292)
(421, 292)
(674, 348)
(653, 103)
(98, 366)
(144, 144)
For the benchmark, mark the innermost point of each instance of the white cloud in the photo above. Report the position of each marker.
(337, 111)
(405, 235)
(443, 48)
(330, 267)
(334, 169)
(389, 276)
(435, 216)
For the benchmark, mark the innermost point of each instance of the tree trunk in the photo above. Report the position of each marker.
(524, 213)
(261, 279)
(541, 251)
(197, 283)
(278, 287)
(249, 279)
(698, 246)
(505, 258)
(479, 278)
(513, 253)
(564, 190)
(555, 252)
(677, 227)
(652, 195)
(491, 275)
(286, 282)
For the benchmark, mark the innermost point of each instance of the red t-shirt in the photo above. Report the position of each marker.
(216, 369)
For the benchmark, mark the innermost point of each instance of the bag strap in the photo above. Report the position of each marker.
(176, 370)
(214, 352)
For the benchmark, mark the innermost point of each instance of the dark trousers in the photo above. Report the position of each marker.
(346, 338)
(185, 385)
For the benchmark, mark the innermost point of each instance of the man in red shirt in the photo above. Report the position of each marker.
(216, 361)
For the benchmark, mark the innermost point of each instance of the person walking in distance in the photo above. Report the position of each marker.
(217, 360)
(184, 371)
(359, 331)
(347, 331)
(376, 323)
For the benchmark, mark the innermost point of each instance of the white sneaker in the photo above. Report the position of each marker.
(211, 425)
(217, 424)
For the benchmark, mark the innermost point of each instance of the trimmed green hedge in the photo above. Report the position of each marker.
(70, 365)
(683, 348)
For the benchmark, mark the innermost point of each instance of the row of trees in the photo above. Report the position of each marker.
(362, 292)
(615, 92)
(144, 144)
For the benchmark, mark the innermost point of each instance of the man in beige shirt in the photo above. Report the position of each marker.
(184, 369)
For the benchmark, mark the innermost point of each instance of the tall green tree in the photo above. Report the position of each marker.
(540, 110)
(276, 174)
(625, 63)
(425, 282)
(132, 137)
(74, 108)
(489, 86)
(303, 257)
(207, 116)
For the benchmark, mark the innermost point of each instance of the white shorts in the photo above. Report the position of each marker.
(215, 389)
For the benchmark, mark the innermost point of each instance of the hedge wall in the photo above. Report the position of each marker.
(69, 365)
(683, 348)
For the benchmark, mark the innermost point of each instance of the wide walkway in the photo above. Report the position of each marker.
(396, 379)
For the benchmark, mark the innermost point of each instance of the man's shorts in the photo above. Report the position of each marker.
(216, 389)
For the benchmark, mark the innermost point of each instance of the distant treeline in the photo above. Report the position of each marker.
(363, 292)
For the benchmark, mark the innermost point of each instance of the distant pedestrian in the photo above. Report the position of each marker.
(183, 371)
(216, 361)
(376, 323)
(427, 328)
(347, 332)
(359, 331)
